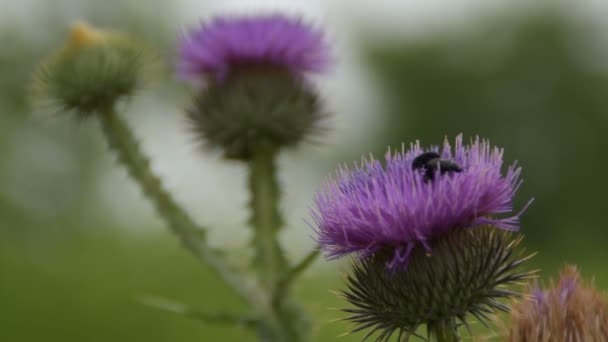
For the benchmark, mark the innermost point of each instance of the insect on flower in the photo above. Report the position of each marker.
(430, 162)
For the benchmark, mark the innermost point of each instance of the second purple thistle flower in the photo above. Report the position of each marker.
(400, 206)
(256, 95)
(225, 43)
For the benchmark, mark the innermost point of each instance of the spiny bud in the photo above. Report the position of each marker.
(256, 106)
(253, 90)
(569, 311)
(467, 273)
(91, 72)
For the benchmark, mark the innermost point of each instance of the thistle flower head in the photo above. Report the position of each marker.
(432, 231)
(91, 72)
(224, 44)
(569, 311)
(256, 93)
(414, 199)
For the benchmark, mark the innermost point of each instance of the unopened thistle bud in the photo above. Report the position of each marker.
(253, 89)
(569, 311)
(431, 232)
(91, 72)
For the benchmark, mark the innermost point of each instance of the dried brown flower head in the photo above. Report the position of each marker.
(570, 311)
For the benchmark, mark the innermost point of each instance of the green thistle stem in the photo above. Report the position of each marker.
(291, 275)
(265, 217)
(122, 142)
(280, 318)
(288, 322)
(443, 332)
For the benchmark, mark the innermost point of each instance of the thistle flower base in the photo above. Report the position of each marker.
(465, 274)
(256, 105)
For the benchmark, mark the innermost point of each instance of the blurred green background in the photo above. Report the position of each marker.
(533, 80)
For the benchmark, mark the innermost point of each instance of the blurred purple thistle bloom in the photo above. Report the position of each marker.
(566, 287)
(214, 48)
(374, 208)
(539, 296)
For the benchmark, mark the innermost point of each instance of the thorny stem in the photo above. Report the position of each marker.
(122, 142)
(265, 217)
(443, 332)
(279, 318)
(208, 317)
(291, 323)
(288, 278)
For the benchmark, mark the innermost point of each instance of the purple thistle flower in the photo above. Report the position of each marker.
(276, 40)
(373, 208)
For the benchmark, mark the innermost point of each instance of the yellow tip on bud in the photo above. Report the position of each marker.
(91, 71)
(82, 34)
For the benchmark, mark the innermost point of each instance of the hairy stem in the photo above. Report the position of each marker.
(265, 218)
(122, 142)
(292, 274)
(288, 322)
(207, 317)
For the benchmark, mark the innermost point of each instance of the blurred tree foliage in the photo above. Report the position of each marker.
(535, 85)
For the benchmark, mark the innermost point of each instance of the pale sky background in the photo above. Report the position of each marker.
(214, 191)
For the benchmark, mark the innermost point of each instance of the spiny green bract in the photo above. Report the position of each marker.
(255, 106)
(465, 274)
(91, 72)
